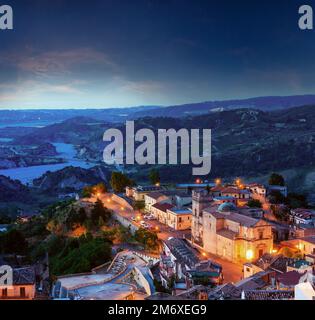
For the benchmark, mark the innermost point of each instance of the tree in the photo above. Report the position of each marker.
(101, 222)
(99, 211)
(276, 179)
(119, 182)
(276, 197)
(154, 176)
(13, 242)
(80, 255)
(254, 203)
(147, 238)
(138, 205)
(281, 212)
(87, 192)
(100, 188)
(296, 200)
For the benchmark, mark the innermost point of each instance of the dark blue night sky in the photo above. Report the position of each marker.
(107, 53)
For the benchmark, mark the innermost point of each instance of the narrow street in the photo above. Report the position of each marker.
(164, 232)
(232, 271)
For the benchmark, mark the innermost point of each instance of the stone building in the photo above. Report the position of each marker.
(222, 230)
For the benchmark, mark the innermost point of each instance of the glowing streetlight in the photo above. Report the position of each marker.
(198, 181)
(249, 254)
(157, 184)
(237, 181)
(217, 181)
(204, 254)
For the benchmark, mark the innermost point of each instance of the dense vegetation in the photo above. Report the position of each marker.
(75, 255)
(120, 181)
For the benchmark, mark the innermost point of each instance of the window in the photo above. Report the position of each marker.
(180, 219)
(22, 292)
(4, 292)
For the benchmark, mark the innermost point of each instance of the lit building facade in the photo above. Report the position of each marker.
(223, 231)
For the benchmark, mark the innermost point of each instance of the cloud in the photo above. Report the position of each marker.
(143, 87)
(54, 63)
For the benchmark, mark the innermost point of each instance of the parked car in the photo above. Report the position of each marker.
(149, 217)
(144, 225)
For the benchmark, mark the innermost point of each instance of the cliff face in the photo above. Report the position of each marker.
(71, 179)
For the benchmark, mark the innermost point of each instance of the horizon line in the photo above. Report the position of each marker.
(158, 105)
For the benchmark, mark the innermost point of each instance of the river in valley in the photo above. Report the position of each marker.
(27, 174)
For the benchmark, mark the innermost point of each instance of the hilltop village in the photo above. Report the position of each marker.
(205, 240)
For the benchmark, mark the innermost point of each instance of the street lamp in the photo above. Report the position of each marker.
(249, 254)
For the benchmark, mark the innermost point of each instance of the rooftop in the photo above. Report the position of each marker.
(268, 294)
(148, 188)
(226, 291)
(225, 233)
(194, 185)
(182, 252)
(223, 198)
(310, 239)
(155, 195)
(290, 278)
(181, 211)
(24, 276)
(163, 206)
(235, 190)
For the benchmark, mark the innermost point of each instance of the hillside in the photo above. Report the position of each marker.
(70, 179)
(260, 103)
(13, 190)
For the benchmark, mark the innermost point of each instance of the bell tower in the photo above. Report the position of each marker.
(200, 200)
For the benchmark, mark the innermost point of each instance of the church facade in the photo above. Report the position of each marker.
(224, 231)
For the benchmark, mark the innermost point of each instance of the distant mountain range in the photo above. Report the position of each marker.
(114, 115)
(246, 142)
(260, 103)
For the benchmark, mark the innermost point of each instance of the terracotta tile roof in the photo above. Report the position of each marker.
(290, 278)
(155, 195)
(217, 189)
(234, 190)
(269, 294)
(163, 206)
(227, 234)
